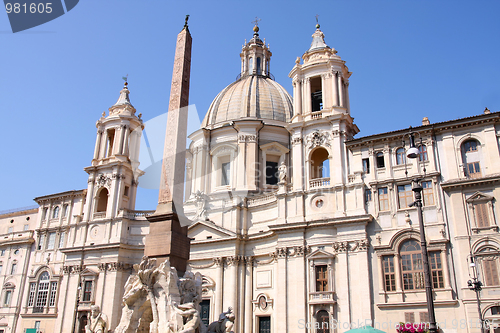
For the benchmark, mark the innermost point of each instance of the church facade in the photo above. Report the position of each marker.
(297, 225)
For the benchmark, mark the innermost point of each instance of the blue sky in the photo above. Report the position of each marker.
(409, 59)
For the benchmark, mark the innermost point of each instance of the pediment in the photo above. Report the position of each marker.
(479, 196)
(203, 230)
(89, 272)
(274, 147)
(320, 254)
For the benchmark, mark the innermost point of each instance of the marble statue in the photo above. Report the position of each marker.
(225, 323)
(151, 298)
(98, 321)
(282, 173)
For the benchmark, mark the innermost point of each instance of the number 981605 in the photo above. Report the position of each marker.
(24, 8)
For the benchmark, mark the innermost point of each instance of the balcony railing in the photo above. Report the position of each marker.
(319, 182)
(321, 297)
(99, 215)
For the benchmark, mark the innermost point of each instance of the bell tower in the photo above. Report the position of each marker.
(114, 173)
(320, 83)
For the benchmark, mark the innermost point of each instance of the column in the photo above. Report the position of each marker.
(231, 292)
(307, 100)
(126, 141)
(335, 90)
(251, 162)
(281, 319)
(347, 104)
(104, 137)
(97, 144)
(364, 311)
(340, 89)
(117, 141)
(397, 274)
(446, 272)
(123, 128)
(381, 279)
(218, 286)
(344, 303)
(242, 293)
(248, 294)
(297, 96)
(323, 90)
(240, 163)
(297, 157)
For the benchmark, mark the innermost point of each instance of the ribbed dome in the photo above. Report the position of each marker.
(253, 96)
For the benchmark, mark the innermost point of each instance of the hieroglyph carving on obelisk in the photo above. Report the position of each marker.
(174, 153)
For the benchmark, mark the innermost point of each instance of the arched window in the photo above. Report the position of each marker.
(44, 213)
(42, 293)
(65, 210)
(259, 69)
(400, 156)
(320, 164)
(55, 212)
(422, 153)
(323, 320)
(470, 158)
(411, 265)
(102, 201)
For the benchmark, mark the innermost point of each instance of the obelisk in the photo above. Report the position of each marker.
(167, 238)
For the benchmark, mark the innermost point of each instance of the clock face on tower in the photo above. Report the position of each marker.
(262, 302)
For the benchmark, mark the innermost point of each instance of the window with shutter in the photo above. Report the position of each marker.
(491, 272)
(409, 317)
(482, 219)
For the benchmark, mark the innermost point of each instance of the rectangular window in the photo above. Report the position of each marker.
(53, 292)
(1, 269)
(87, 291)
(51, 241)
(380, 160)
(473, 170)
(383, 199)
(61, 240)
(31, 295)
(428, 194)
(265, 324)
(409, 317)
(424, 317)
(366, 165)
(389, 277)
(13, 269)
(225, 173)
(26, 227)
(436, 270)
(2, 252)
(11, 229)
(321, 278)
(368, 195)
(7, 298)
(491, 272)
(482, 219)
(41, 242)
(405, 195)
(271, 173)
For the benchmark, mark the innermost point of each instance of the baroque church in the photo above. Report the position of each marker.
(298, 223)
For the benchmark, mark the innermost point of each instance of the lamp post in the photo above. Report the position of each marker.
(77, 303)
(413, 153)
(476, 285)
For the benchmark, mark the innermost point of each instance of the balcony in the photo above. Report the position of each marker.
(319, 182)
(321, 297)
(99, 215)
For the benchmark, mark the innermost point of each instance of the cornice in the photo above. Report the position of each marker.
(464, 183)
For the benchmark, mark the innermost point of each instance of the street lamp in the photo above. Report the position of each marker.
(413, 153)
(476, 285)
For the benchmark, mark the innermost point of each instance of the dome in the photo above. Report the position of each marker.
(252, 96)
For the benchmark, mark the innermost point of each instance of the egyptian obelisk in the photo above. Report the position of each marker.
(167, 239)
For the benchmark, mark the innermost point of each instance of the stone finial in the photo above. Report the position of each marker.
(487, 111)
(425, 121)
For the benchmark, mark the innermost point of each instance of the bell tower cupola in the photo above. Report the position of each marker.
(320, 82)
(114, 173)
(255, 56)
